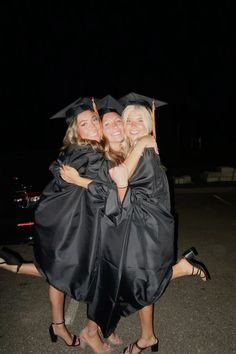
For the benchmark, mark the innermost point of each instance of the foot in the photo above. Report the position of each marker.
(9, 257)
(93, 339)
(9, 267)
(61, 331)
(140, 345)
(188, 269)
(115, 339)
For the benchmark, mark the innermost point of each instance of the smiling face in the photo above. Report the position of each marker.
(89, 126)
(135, 124)
(113, 127)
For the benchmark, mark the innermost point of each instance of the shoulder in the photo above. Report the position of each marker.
(76, 148)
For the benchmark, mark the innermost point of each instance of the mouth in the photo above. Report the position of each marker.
(134, 132)
(116, 133)
(94, 135)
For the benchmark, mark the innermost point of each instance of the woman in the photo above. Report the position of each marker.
(148, 265)
(54, 243)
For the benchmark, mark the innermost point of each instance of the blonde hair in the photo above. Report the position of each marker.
(72, 137)
(145, 112)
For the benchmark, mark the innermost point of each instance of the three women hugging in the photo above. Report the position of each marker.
(104, 232)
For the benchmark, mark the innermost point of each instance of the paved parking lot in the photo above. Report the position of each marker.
(191, 317)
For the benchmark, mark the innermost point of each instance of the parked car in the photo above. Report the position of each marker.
(18, 202)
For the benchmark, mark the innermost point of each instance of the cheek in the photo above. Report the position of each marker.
(82, 131)
(144, 129)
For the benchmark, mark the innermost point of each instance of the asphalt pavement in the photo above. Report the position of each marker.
(191, 317)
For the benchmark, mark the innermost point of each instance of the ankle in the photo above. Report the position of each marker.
(148, 338)
(181, 269)
(92, 332)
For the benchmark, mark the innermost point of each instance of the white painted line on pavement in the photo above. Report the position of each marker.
(71, 312)
(222, 200)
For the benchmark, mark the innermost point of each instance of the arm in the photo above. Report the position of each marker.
(134, 156)
(119, 174)
(71, 175)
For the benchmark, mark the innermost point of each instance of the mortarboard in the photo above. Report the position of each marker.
(108, 104)
(151, 103)
(80, 105)
(135, 98)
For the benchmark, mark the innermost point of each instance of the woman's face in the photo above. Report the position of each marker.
(89, 126)
(134, 126)
(113, 127)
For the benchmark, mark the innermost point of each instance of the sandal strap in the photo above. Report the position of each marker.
(18, 267)
(74, 339)
(138, 346)
(58, 323)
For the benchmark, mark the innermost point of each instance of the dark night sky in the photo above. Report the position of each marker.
(56, 51)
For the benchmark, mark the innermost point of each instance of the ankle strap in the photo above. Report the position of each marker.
(58, 323)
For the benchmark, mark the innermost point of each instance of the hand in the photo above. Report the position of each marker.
(148, 141)
(119, 175)
(69, 174)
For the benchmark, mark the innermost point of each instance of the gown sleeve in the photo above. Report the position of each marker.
(75, 156)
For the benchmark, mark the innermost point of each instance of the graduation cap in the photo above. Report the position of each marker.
(80, 105)
(133, 98)
(108, 104)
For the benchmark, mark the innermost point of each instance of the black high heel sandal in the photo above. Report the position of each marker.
(189, 255)
(8, 256)
(154, 347)
(54, 336)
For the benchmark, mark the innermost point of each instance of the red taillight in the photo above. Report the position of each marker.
(29, 223)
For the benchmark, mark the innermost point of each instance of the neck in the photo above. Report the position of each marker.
(133, 142)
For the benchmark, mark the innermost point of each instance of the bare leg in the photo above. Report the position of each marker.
(90, 336)
(25, 268)
(57, 301)
(148, 337)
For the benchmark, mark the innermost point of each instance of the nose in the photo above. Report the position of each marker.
(133, 124)
(93, 125)
(115, 125)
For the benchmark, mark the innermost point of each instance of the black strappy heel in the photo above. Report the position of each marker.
(189, 255)
(54, 336)
(154, 347)
(11, 257)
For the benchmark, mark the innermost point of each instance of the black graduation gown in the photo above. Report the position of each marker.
(138, 251)
(66, 245)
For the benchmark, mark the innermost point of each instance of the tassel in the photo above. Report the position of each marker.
(94, 105)
(153, 120)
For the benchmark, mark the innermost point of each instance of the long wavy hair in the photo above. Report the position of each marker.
(72, 137)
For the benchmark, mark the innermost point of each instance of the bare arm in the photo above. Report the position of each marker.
(135, 154)
(119, 174)
(71, 175)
